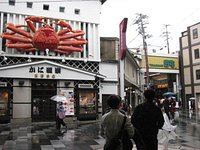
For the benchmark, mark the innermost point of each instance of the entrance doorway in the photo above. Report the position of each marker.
(43, 109)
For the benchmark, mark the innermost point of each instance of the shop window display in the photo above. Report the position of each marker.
(4, 112)
(87, 102)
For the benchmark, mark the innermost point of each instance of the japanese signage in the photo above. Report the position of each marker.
(44, 71)
(158, 62)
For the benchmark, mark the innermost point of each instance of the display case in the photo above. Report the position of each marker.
(87, 104)
(4, 106)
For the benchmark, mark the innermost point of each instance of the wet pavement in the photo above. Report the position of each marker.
(44, 136)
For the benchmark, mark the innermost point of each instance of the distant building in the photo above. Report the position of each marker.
(163, 73)
(190, 66)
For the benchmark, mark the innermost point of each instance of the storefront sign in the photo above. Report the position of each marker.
(166, 64)
(159, 62)
(44, 72)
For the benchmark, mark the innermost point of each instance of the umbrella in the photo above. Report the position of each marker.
(169, 94)
(58, 98)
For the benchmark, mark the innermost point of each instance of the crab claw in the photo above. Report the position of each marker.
(34, 19)
(63, 24)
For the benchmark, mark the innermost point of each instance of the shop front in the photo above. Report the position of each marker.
(34, 83)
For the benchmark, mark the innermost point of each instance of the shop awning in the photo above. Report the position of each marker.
(46, 70)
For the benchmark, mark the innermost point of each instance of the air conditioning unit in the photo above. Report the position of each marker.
(3, 84)
(85, 86)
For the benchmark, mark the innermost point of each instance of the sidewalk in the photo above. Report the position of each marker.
(45, 136)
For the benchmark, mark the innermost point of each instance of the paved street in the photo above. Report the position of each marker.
(44, 136)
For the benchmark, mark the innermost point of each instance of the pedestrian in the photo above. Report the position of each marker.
(112, 123)
(166, 105)
(167, 132)
(172, 108)
(147, 118)
(60, 115)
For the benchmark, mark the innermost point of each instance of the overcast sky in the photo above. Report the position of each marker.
(179, 14)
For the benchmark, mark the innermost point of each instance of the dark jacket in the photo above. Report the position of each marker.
(148, 119)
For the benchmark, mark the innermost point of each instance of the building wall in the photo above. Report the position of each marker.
(187, 76)
(109, 48)
(53, 12)
(186, 57)
(188, 44)
(88, 21)
(21, 101)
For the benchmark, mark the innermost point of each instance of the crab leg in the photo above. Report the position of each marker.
(73, 42)
(70, 48)
(18, 45)
(63, 52)
(16, 38)
(63, 31)
(75, 34)
(27, 50)
(11, 27)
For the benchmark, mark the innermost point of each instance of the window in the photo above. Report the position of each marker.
(45, 7)
(198, 74)
(62, 9)
(87, 102)
(12, 2)
(77, 11)
(29, 4)
(195, 33)
(196, 53)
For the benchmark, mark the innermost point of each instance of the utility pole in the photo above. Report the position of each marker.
(141, 22)
(166, 34)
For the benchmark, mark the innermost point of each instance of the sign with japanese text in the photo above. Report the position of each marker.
(44, 71)
(158, 62)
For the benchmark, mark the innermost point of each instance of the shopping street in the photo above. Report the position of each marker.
(44, 136)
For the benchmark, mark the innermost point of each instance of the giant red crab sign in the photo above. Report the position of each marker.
(64, 41)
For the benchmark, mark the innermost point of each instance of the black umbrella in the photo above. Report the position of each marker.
(169, 94)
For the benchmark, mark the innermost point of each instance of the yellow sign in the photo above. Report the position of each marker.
(159, 62)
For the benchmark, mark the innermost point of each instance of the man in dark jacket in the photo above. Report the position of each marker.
(147, 118)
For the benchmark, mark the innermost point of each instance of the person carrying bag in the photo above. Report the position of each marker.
(117, 141)
(115, 126)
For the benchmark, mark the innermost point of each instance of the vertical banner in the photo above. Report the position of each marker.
(123, 47)
(122, 53)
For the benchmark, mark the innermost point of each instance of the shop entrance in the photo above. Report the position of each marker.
(43, 109)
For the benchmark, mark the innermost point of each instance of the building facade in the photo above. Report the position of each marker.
(190, 66)
(28, 79)
(110, 67)
(163, 73)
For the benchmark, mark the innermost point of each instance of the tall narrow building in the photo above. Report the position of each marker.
(190, 67)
